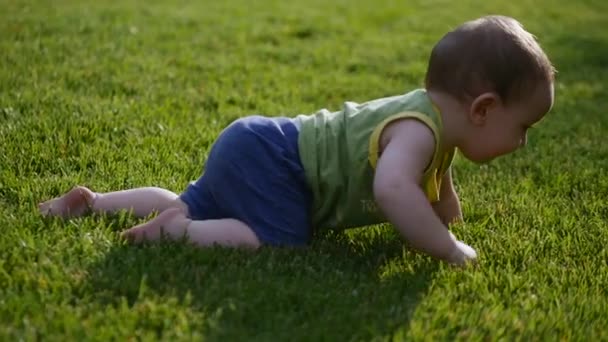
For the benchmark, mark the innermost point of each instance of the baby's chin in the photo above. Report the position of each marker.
(484, 161)
(479, 159)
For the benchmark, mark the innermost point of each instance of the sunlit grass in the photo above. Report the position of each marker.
(119, 94)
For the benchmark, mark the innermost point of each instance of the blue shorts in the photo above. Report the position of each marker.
(254, 174)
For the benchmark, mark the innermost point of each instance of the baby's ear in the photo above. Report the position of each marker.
(480, 107)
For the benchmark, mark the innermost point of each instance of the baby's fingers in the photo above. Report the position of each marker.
(467, 250)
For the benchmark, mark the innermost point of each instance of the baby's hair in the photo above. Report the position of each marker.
(492, 53)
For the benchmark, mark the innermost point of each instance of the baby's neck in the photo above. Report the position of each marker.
(452, 117)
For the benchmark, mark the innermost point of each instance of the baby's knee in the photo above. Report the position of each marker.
(174, 222)
(181, 205)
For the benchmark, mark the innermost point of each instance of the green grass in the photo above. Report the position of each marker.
(119, 94)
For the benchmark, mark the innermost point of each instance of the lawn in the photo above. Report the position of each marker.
(120, 94)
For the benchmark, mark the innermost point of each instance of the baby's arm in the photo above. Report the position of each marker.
(448, 208)
(407, 149)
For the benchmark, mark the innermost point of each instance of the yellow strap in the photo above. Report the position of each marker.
(432, 182)
(374, 140)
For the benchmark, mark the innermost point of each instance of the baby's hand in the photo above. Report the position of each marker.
(463, 254)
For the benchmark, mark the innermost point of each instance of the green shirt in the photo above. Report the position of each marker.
(339, 151)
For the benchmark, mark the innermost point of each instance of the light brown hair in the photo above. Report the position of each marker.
(492, 53)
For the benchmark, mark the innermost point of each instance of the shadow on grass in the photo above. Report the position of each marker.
(337, 289)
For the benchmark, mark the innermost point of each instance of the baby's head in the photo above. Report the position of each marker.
(499, 75)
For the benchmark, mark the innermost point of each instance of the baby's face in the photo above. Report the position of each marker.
(507, 125)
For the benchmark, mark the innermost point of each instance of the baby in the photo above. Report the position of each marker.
(278, 180)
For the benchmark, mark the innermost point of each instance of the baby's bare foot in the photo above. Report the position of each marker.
(172, 222)
(74, 203)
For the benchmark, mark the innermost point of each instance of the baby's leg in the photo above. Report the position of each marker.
(174, 224)
(80, 200)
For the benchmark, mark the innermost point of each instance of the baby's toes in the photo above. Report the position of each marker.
(132, 235)
(44, 208)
